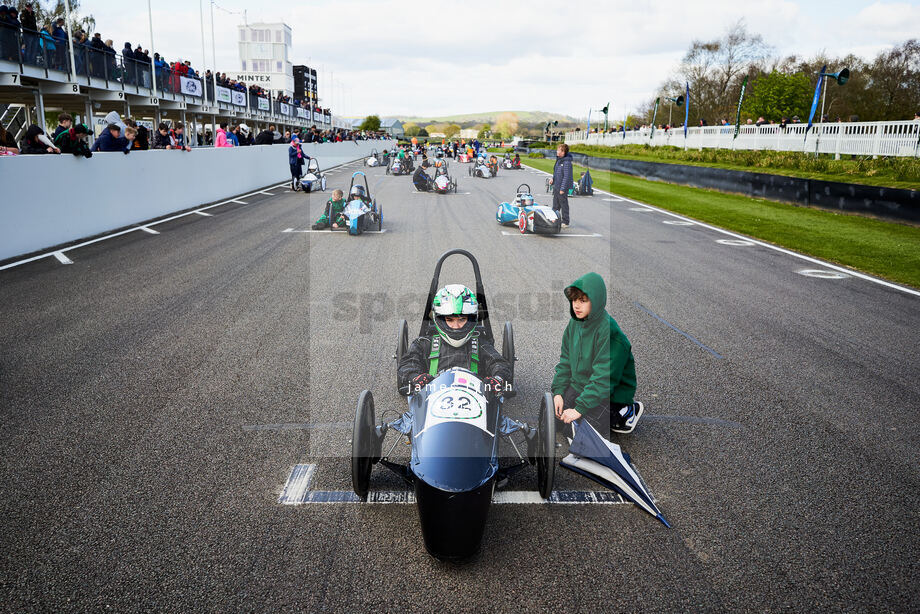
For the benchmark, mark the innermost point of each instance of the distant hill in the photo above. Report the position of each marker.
(489, 117)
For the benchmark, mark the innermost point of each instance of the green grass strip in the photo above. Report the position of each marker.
(888, 172)
(886, 249)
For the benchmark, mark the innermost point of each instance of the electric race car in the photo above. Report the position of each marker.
(373, 159)
(527, 214)
(453, 426)
(484, 167)
(584, 187)
(443, 184)
(361, 211)
(314, 180)
(511, 163)
(402, 166)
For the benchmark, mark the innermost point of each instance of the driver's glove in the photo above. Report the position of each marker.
(420, 381)
(494, 385)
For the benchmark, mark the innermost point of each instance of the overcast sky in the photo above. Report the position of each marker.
(438, 58)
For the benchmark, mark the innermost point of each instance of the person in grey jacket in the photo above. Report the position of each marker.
(562, 180)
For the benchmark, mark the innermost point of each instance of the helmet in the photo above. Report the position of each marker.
(526, 200)
(358, 190)
(455, 300)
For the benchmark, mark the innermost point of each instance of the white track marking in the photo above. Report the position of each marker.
(640, 209)
(62, 258)
(149, 230)
(775, 248)
(561, 235)
(735, 242)
(822, 274)
(205, 214)
(241, 202)
(266, 192)
(297, 485)
(677, 223)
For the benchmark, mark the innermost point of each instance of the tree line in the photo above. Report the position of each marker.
(885, 88)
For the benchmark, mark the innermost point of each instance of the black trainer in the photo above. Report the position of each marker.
(629, 417)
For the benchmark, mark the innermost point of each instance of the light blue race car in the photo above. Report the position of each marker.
(527, 215)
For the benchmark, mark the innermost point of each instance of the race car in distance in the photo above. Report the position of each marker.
(484, 167)
(511, 163)
(373, 159)
(399, 166)
(584, 187)
(314, 180)
(454, 426)
(361, 210)
(527, 214)
(443, 183)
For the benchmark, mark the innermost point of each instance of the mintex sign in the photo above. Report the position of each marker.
(268, 81)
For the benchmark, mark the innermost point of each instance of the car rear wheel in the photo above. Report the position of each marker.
(522, 222)
(546, 447)
(365, 445)
(322, 184)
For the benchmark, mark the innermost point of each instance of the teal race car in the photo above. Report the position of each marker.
(527, 215)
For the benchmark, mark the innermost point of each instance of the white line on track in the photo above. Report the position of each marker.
(775, 248)
(149, 230)
(266, 192)
(205, 214)
(677, 223)
(241, 202)
(735, 242)
(560, 235)
(62, 258)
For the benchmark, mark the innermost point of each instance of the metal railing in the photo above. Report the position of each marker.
(895, 138)
(38, 55)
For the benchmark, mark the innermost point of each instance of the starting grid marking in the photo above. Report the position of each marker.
(297, 492)
(561, 235)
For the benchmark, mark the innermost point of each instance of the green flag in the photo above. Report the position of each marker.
(654, 115)
(738, 118)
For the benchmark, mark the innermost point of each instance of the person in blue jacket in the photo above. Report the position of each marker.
(296, 159)
(111, 140)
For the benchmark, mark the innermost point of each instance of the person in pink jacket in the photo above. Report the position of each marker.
(222, 140)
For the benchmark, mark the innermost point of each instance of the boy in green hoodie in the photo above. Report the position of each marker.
(332, 214)
(596, 374)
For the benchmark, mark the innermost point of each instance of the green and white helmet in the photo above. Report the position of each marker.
(455, 300)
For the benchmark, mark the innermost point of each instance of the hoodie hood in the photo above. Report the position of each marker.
(593, 285)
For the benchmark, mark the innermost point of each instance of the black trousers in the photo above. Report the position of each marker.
(561, 204)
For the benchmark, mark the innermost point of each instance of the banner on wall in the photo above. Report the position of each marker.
(238, 98)
(263, 104)
(223, 95)
(285, 108)
(317, 117)
(190, 87)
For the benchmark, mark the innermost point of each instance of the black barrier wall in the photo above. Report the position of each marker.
(889, 203)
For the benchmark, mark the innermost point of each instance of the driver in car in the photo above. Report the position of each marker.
(332, 214)
(456, 344)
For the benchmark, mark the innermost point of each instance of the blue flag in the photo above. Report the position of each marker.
(686, 109)
(814, 102)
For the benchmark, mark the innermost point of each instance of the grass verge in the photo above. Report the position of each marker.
(887, 249)
(887, 172)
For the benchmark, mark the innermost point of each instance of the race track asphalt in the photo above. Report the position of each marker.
(156, 394)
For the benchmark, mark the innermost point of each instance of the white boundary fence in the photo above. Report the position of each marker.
(900, 138)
